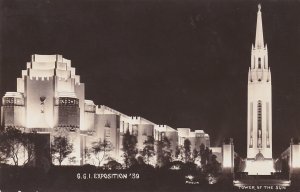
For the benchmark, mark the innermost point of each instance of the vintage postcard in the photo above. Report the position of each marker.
(149, 95)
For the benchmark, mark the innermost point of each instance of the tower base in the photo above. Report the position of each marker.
(259, 167)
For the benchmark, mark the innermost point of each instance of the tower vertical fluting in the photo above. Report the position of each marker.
(259, 134)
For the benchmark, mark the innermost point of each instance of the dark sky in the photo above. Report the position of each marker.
(181, 63)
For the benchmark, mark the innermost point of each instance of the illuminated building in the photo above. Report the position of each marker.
(259, 132)
(292, 156)
(13, 109)
(196, 138)
(164, 131)
(295, 157)
(50, 100)
(228, 157)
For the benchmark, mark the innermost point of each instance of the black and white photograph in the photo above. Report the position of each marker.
(149, 95)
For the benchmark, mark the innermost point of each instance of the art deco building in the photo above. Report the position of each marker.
(196, 138)
(259, 133)
(50, 100)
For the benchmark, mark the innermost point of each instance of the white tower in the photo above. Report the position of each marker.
(259, 133)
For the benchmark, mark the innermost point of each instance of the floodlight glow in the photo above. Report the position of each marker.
(264, 167)
(295, 156)
(227, 156)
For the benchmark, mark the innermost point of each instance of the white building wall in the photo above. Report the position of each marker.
(34, 117)
(52, 77)
(259, 130)
(259, 92)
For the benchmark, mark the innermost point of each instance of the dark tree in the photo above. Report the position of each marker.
(140, 160)
(5, 148)
(11, 144)
(187, 150)
(179, 153)
(30, 141)
(113, 164)
(213, 167)
(100, 149)
(195, 155)
(203, 155)
(285, 168)
(14, 144)
(164, 152)
(129, 149)
(207, 154)
(239, 164)
(148, 150)
(3, 151)
(61, 148)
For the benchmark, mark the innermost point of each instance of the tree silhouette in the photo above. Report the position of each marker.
(11, 144)
(196, 157)
(100, 150)
(187, 150)
(213, 167)
(30, 140)
(163, 151)
(3, 151)
(179, 153)
(148, 150)
(203, 155)
(16, 145)
(61, 148)
(239, 164)
(129, 148)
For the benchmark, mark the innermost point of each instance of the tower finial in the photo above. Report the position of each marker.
(259, 39)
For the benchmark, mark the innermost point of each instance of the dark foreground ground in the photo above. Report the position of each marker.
(95, 179)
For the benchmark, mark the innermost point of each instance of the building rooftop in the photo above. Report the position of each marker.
(13, 94)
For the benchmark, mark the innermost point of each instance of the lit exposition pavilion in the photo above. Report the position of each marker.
(50, 100)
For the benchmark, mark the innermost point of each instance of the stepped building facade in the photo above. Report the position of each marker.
(50, 100)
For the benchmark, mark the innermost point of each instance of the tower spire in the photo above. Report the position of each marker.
(259, 38)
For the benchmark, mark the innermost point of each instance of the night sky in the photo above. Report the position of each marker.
(180, 63)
